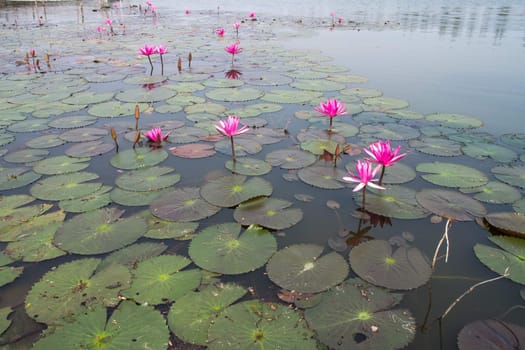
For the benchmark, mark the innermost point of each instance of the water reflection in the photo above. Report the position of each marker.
(233, 74)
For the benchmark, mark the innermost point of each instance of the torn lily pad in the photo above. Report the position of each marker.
(159, 280)
(358, 315)
(163, 229)
(223, 249)
(271, 213)
(231, 190)
(302, 268)
(66, 291)
(381, 264)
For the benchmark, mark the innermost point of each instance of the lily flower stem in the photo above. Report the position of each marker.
(233, 148)
(382, 174)
(161, 65)
(444, 238)
(151, 65)
(364, 198)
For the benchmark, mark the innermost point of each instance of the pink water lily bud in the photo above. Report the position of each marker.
(220, 31)
(155, 135)
(147, 50)
(160, 49)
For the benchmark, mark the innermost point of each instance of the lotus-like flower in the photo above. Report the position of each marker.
(365, 177)
(161, 50)
(230, 127)
(155, 136)
(148, 51)
(109, 21)
(187, 11)
(236, 26)
(381, 153)
(251, 15)
(233, 49)
(220, 31)
(331, 108)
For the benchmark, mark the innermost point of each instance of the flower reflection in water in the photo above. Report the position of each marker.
(233, 74)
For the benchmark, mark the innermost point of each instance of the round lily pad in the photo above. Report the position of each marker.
(26, 155)
(356, 315)
(398, 173)
(66, 291)
(385, 103)
(4, 321)
(14, 210)
(262, 325)
(317, 85)
(223, 83)
(95, 200)
(131, 326)
(507, 222)
(452, 175)
(137, 158)
(395, 201)
(67, 186)
(223, 249)
(390, 131)
(73, 122)
(383, 265)
(494, 192)
(147, 179)
(491, 334)
(133, 254)
(483, 151)
(267, 79)
(456, 121)
(319, 146)
(60, 165)
(99, 231)
(183, 204)
(248, 166)
(514, 140)
(323, 177)
(265, 136)
(451, 205)
(436, 146)
(187, 134)
(271, 213)
(291, 96)
(162, 229)
(83, 134)
(45, 141)
(89, 149)
(88, 98)
(133, 198)
(231, 190)
(191, 316)
(11, 178)
(193, 150)
(9, 273)
(509, 257)
(159, 280)
(234, 94)
(290, 158)
(115, 109)
(29, 125)
(137, 95)
(207, 107)
(513, 175)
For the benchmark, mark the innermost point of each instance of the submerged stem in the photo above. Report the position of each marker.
(161, 65)
(233, 148)
(382, 174)
(443, 239)
(364, 198)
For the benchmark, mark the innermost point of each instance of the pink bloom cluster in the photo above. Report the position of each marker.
(148, 50)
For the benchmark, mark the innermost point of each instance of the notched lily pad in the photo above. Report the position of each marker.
(271, 213)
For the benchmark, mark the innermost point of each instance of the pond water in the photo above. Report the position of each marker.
(443, 80)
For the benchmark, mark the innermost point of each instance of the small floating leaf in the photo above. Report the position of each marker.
(456, 121)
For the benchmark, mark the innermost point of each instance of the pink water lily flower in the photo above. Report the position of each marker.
(251, 15)
(381, 153)
(187, 12)
(155, 135)
(236, 26)
(109, 21)
(365, 177)
(233, 49)
(160, 49)
(220, 31)
(230, 127)
(331, 108)
(148, 51)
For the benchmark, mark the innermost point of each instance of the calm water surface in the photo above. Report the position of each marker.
(440, 56)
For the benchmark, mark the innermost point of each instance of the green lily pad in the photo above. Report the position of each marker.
(261, 325)
(329, 178)
(373, 118)
(255, 109)
(507, 222)
(271, 213)
(32, 227)
(381, 264)
(12, 212)
(516, 140)
(301, 268)
(89, 149)
(183, 204)
(356, 315)
(98, 199)
(168, 108)
(231, 190)
(467, 137)
(436, 146)
(405, 114)
(451, 205)
(452, 175)
(487, 150)
(83, 134)
(131, 326)
(115, 109)
(67, 186)
(104, 78)
(262, 78)
(348, 78)
(395, 201)
(26, 155)
(291, 96)
(510, 257)
(513, 175)
(223, 83)
(398, 173)
(187, 134)
(435, 131)
(491, 334)
(330, 69)
(234, 94)
(317, 85)
(133, 198)
(494, 192)
(319, 146)
(11, 178)
(187, 87)
(390, 131)
(29, 125)
(162, 229)
(73, 122)
(290, 158)
(4, 321)
(185, 99)
(385, 103)
(147, 179)
(243, 146)
(6, 138)
(223, 249)
(159, 280)
(137, 95)
(306, 74)
(45, 141)
(88, 98)
(66, 291)
(132, 159)
(265, 136)
(456, 121)
(133, 254)
(362, 92)
(9, 273)
(60, 165)
(191, 316)
(519, 206)
(99, 231)
(207, 107)
(248, 166)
